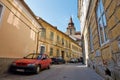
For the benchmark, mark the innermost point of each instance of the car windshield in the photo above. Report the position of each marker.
(33, 56)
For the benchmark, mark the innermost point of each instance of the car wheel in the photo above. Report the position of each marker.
(37, 69)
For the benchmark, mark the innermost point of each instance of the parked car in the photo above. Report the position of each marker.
(73, 60)
(53, 60)
(58, 61)
(31, 63)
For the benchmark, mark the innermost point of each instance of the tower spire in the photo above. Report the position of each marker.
(71, 28)
(71, 20)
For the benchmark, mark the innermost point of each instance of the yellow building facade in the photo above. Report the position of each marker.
(56, 43)
(21, 33)
(100, 22)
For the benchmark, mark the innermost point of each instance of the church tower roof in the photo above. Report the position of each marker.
(71, 29)
(71, 20)
(71, 24)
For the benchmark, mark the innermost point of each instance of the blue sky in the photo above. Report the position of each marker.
(56, 12)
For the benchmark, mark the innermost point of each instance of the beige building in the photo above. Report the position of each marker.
(100, 24)
(56, 43)
(21, 33)
(18, 31)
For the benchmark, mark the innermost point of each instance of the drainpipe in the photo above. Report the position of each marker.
(37, 41)
(40, 30)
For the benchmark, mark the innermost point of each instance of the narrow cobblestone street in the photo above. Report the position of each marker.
(58, 72)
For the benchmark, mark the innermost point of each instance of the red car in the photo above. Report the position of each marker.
(31, 63)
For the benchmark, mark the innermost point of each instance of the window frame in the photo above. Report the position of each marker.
(91, 39)
(43, 33)
(58, 38)
(2, 12)
(63, 41)
(51, 51)
(58, 52)
(51, 35)
(101, 20)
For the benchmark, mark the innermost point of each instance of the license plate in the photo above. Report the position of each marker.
(20, 70)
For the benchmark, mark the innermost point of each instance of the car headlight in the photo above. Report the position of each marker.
(31, 65)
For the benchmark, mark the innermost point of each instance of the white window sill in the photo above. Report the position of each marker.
(105, 43)
(92, 50)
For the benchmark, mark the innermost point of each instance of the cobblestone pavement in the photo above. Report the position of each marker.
(58, 72)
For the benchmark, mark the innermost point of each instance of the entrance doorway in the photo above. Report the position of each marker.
(42, 49)
(63, 54)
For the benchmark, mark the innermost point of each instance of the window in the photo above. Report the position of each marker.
(57, 53)
(51, 35)
(62, 41)
(58, 38)
(70, 31)
(1, 10)
(66, 43)
(91, 39)
(102, 24)
(43, 33)
(98, 53)
(51, 51)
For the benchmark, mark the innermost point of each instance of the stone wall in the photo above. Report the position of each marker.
(108, 52)
(4, 65)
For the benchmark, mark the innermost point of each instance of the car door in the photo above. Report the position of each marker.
(41, 61)
(48, 61)
(44, 61)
